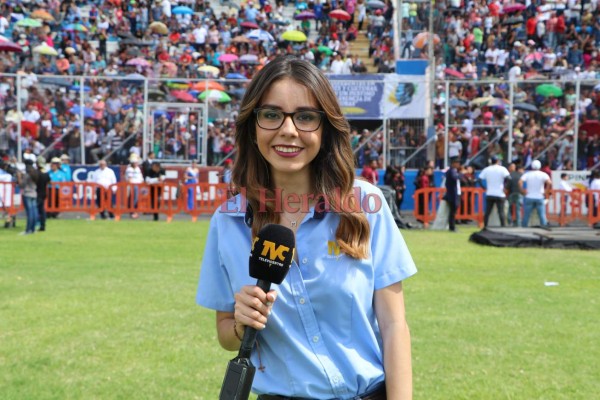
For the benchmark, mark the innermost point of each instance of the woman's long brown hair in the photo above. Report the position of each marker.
(332, 169)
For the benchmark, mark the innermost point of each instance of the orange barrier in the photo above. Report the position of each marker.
(593, 205)
(564, 207)
(427, 202)
(203, 198)
(73, 197)
(471, 205)
(10, 200)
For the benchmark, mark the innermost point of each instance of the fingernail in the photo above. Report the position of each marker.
(269, 303)
(270, 311)
(263, 327)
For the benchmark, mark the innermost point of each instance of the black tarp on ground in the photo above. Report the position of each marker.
(559, 238)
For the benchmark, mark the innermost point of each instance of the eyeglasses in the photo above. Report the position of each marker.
(305, 120)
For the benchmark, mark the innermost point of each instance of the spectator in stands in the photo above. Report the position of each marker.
(535, 185)
(134, 177)
(452, 195)
(104, 177)
(495, 176)
(369, 172)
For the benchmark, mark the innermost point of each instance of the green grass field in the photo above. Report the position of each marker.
(105, 310)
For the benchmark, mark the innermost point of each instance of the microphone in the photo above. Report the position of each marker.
(270, 260)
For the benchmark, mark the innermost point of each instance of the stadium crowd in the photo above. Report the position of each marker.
(129, 40)
(548, 52)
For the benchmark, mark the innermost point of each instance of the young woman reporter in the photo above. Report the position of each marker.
(335, 328)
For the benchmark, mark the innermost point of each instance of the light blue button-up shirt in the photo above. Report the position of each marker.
(322, 340)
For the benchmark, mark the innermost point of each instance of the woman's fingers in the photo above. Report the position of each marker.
(253, 305)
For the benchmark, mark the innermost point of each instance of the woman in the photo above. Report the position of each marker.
(339, 314)
(134, 177)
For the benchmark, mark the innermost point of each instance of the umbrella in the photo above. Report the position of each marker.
(207, 85)
(55, 82)
(178, 85)
(240, 39)
(497, 102)
(45, 50)
(239, 92)
(511, 8)
(422, 38)
(547, 90)
(249, 59)
(516, 20)
(182, 95)
(340, 14)
(375, 4)
(259, 34)
(155, 94)
(227, 57)
(3, 39)
(481, 101)
(216, 95)
(75, 27)
(139, 62)
(525, 107)
(454, 73)
(325, 49)
(304, 15)
(159, 27)
(77, 88)
(10, 47)
(294, 36)
(171, 68)
(279, 22)
(534, 75)
(535, 56)
(235, 75)
(457, 103)
(87, 112)
(249, 25)
(29, 22)
(133, 79)
(592, 127)
(209, 69)
(182, 10)
(70, 50)
(41, 14)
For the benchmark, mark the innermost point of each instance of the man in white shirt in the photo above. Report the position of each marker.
(337, 65)
(514, 73)
(494, 176)
(104, 177)
(534, 184)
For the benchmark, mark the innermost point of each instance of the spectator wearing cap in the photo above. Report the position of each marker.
(494, 176)
(134, 177)
(535, 185)
(377, 22)
(65, 167)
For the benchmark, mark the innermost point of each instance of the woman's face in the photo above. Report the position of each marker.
(288, 150)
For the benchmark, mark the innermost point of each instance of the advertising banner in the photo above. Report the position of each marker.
(375, 97)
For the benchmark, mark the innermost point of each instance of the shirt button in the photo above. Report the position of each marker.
(304, 260)
(302, 301)
(315, 339)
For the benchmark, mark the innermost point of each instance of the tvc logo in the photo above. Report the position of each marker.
(271, 250)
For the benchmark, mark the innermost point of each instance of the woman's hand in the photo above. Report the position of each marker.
(252, 307)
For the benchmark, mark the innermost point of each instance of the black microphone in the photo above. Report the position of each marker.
(270, 260)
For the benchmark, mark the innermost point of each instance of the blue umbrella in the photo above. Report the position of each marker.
(194, 93)
(457, 103)
(235, 75)
(182, 10)
(259, 34)
(77, 88)
(87, 112)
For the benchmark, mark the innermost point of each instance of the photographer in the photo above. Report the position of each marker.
(28, 183)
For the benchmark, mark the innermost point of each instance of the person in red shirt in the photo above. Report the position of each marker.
(369, 172)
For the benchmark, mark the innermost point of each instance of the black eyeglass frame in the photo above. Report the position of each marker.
(291, 115)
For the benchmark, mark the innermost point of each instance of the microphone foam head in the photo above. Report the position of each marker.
(272, 253)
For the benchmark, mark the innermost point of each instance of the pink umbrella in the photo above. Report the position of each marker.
(139, 62)
(511, 8)
(304, 15)
(227, 57)
(183, 96)
(10, 47)
(340, 14)
(454, 73)
(535, 56)
(249, 25)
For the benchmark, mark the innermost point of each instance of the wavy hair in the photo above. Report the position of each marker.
(332, 169)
